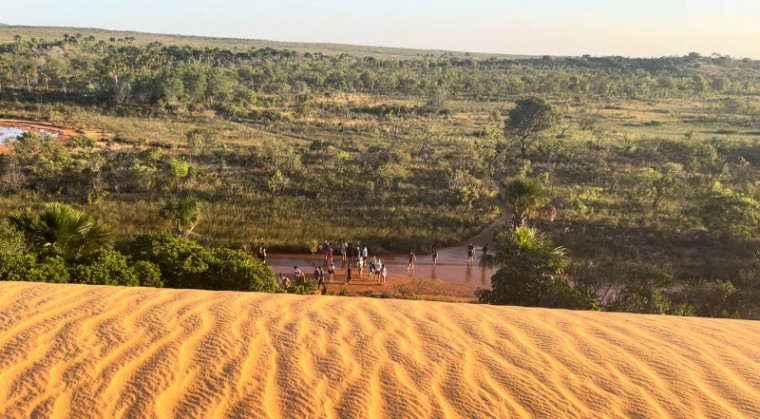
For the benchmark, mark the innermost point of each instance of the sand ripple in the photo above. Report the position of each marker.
(85, 351)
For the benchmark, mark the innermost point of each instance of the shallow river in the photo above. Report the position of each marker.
(452, 266)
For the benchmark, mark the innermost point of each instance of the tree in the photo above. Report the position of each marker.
(277, 183)
(727, 213)
(40, 154)
(528, 273)
(59, 230)
(529, 122)
(201, 140)
(526, 200)
(644, 289)
(184, 214)
(748, 286)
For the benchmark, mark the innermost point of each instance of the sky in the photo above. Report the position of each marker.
(643, 28)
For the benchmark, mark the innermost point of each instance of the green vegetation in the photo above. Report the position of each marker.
(645, 170)
(528, 273)
(62, 245)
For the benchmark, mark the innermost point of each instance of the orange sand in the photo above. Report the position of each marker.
(86, 351)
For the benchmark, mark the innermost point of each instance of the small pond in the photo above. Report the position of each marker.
(9, 134)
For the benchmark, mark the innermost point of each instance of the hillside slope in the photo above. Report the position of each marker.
(85, 351)
(7, 32)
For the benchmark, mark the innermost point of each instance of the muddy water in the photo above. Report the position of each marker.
(452, 263)
(449, 269)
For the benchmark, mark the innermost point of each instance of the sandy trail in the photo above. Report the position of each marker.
(87, 351)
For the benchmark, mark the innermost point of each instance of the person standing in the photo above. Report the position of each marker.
(284, 282)
(330, 273)
(297, 273)
(321, 279)
(365, 252)
(360, 262)
(435, 256)
(383, 274)
(348, 274)
(412, 259)
(343, 253)
(470, 253)
(330, 255)
(350, 252)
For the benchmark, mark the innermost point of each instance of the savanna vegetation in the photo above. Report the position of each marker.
(631, 184)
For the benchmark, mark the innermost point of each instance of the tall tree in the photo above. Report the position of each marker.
(529, 122)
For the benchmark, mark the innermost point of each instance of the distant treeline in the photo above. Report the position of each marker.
(117, 72)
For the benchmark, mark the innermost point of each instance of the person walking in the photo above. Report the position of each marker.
(435, 256)
(412, 259)
(360, 262)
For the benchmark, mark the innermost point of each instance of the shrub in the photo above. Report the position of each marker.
(182, 262)
(147, 274)
(15, 266)
(21, 267)
(304, 287)
(105, 268)
(234, 270)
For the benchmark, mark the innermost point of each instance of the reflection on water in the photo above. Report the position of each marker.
(9, 134)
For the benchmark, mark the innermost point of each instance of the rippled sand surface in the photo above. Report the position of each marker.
(85, 351)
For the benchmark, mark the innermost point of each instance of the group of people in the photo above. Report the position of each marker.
(355, 259)
(434, 254)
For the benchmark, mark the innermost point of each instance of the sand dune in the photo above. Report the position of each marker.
(85, 351)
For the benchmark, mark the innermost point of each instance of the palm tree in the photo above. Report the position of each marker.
(526, 200)
(184, 214)
(527, 265)
(59, 230)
